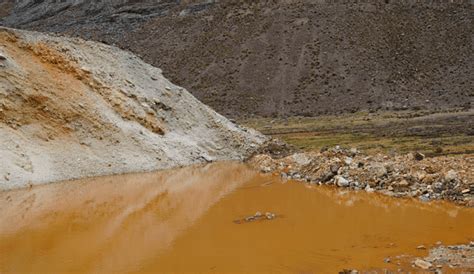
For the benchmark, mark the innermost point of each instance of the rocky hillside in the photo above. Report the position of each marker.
(284, 58)
(70, 108)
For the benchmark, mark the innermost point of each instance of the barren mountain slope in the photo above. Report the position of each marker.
(71, 108)
(285, 57)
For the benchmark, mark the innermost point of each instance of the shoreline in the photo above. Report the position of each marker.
(410, 175)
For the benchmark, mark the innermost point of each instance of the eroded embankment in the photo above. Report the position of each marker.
(71, 108)
(189, 220)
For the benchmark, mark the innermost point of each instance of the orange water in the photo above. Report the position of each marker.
(183, 221)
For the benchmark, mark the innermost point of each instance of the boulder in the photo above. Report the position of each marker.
(341, 181)
(419, 156)
(450, 176)
(377, 169)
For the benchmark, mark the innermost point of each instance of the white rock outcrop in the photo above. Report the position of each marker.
(71, 108)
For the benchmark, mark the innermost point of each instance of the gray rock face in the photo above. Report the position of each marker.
(284, 58)
(29, 12)
(70, 108)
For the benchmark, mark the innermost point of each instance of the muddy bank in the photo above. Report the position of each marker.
(183, 220)
(409, 175)
(70, 108)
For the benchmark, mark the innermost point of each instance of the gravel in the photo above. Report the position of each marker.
(445, 177)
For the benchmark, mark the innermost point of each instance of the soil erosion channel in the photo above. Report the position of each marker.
(193, 219)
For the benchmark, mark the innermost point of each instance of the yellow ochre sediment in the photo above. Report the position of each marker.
(183, 220)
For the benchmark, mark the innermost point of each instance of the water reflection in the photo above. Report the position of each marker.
(88, 225)
(182, 221)
(350, 198)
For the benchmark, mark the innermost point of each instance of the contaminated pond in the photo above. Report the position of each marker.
(193, 219)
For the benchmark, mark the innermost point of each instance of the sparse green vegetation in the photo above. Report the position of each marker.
(431, 134)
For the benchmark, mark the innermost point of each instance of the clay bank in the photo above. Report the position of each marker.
(224, 217)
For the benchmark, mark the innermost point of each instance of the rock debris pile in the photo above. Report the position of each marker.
(410, 175)
(453, 256)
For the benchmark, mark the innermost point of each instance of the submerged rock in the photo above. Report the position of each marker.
(258, 216)
(422, 264)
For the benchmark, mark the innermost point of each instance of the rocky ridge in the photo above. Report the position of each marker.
(71, 108)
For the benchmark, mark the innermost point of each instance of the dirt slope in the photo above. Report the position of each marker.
(71, 108)
(285, 58)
